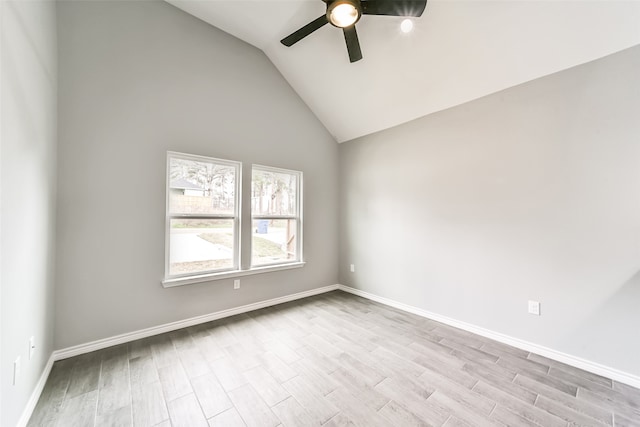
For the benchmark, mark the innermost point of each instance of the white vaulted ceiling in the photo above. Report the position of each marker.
(458, 51)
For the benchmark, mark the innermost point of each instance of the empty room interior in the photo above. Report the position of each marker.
(320, 212)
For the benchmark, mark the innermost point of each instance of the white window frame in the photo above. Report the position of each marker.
(298, 217)
(235, 216)
(243, 222)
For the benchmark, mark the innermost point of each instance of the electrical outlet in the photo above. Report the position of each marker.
(353, 268)
(236, 284)
(534, 308)
(32, 347)
(16, 370)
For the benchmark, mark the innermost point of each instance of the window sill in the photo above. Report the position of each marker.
(180, 281)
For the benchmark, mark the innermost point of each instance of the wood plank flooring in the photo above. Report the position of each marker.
(331, 360)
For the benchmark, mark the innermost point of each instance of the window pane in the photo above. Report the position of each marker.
(200, 187)
(198, 245)
(273, 193)
(274, 241)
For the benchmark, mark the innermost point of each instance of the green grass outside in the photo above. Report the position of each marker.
(261, 247)
(223, 239)
(265, 248)
(263, 251)
(195, 266)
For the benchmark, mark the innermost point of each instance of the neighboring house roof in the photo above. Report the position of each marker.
(183, 184)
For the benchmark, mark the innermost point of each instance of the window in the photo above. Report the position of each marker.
(275, 214)
(208, 237)
(202, 215)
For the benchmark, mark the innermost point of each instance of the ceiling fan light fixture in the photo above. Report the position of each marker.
(344, 13)
(406, 26)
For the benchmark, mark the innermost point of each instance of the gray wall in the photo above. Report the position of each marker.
(529, 193)
(27, 205)
(138, 79)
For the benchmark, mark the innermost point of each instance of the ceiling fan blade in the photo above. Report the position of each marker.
(353, 45)
(393, 7)
(303, 32)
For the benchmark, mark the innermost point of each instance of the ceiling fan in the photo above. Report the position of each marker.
(345, 13)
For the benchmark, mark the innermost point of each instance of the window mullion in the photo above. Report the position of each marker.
(245, 220)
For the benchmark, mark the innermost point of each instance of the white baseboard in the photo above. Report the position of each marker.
(35, 395)
(168, 327)
(550, 353)
(587, 365)
(132, 336)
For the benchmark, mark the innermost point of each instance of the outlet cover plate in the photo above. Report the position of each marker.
(534, 308)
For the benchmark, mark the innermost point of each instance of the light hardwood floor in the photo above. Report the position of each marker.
(331, 360)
